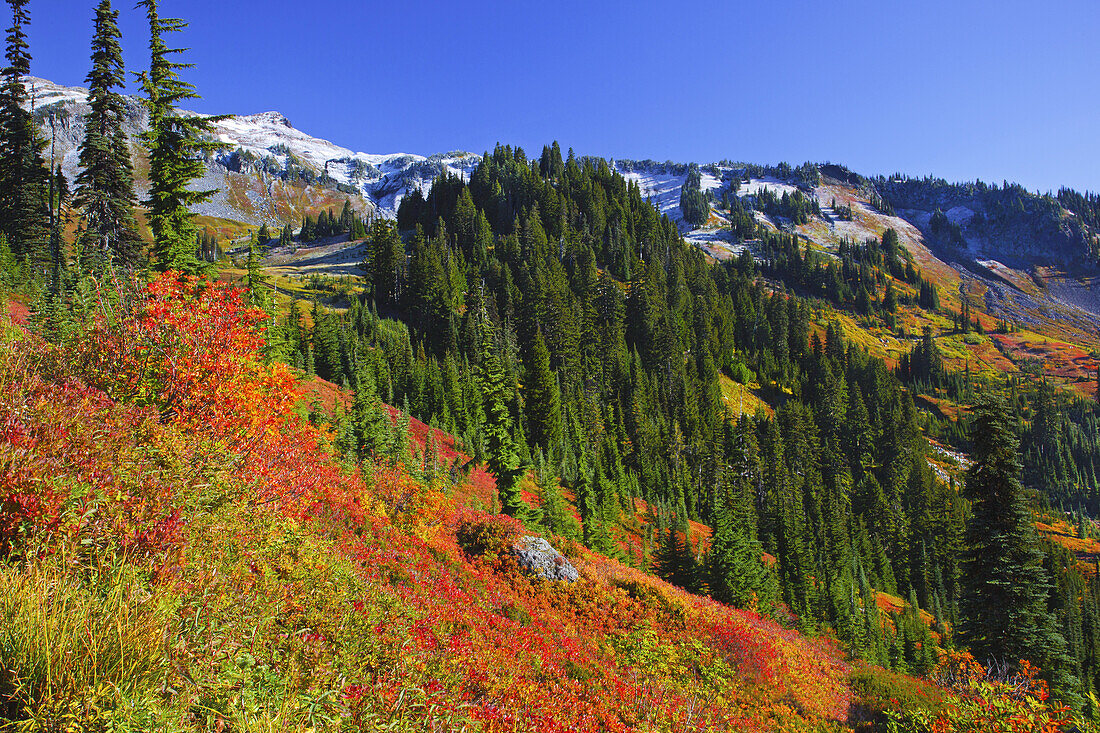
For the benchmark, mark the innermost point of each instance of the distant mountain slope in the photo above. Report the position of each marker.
(266, 170)
(1035, 260)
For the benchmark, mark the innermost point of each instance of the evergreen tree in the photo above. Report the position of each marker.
(694, 206)
(1004, 612)
(175, 143)
(9, 265)
(104, 186)
(370, 420)
(503, 454)
(543, 398)
(736, 573)
(255, 279)
(23, 173)
(674, 561)
(385, 262)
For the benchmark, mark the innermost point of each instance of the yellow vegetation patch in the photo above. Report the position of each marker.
(742, 399)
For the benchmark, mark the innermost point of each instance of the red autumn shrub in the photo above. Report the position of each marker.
(78, 465)
(479, 533)
(190, 348)
(174, 364)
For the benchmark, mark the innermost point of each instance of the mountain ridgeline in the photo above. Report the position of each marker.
(1005, 222)
(269, 172)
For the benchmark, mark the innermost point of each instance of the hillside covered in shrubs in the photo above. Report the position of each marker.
(182, 551)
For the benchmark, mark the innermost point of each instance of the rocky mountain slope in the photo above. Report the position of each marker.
(1030, 259)
(266, 170)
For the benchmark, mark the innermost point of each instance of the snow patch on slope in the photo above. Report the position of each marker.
(384, 179)
(663, 187)
(44, 92)
(756, 185)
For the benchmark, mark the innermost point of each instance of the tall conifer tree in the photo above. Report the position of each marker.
(736, 573)
(175, 143)
(105, 184)
(1004, 612)
(543, 397)
(255, 279)
(23, 173)
(503, 453)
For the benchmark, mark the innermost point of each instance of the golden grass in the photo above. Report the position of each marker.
(73, 648)
(741, 399)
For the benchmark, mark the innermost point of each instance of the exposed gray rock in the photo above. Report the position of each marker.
(540, 559)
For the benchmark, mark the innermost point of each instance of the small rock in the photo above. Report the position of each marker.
(539, 558)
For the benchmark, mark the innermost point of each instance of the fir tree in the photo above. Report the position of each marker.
(503, 454)
(385, 262)
(736, 573)
(1004, 613)
(23, 172)
(543, 398)
(674, 561)
(255, 279)
(694, 206)
(175, 144)
(370, 420)
(8, 263)
(104, 186)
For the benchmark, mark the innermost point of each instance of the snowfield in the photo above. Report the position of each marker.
(663, 187)
(384, 179)
(756, 185)
(44, 92)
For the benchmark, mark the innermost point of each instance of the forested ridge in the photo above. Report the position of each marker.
(542, 320)
(613, 335)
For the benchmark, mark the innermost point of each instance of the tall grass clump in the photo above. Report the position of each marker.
(87, 649)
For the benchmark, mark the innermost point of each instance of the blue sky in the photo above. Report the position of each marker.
(960, 90)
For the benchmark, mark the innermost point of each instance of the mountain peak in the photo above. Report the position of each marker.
(271, 118)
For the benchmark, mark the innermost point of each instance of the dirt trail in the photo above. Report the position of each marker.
(334, 256)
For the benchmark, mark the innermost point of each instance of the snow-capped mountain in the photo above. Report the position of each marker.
(265, 169)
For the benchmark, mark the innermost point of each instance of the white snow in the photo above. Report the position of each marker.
(663, 188)
(382, 179)
(708, 181)
(44, 92)
(716, 242)
(756, 185)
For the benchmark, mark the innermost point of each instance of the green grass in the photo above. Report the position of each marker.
(91, 649)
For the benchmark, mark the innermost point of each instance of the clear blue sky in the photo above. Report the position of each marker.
(959, 89)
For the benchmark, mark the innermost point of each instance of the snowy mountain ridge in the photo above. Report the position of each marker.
(266, 170)
(261, 156)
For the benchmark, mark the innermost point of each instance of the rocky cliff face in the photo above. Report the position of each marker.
(1006, 223)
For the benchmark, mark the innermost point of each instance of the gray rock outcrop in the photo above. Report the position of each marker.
(539, 558)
